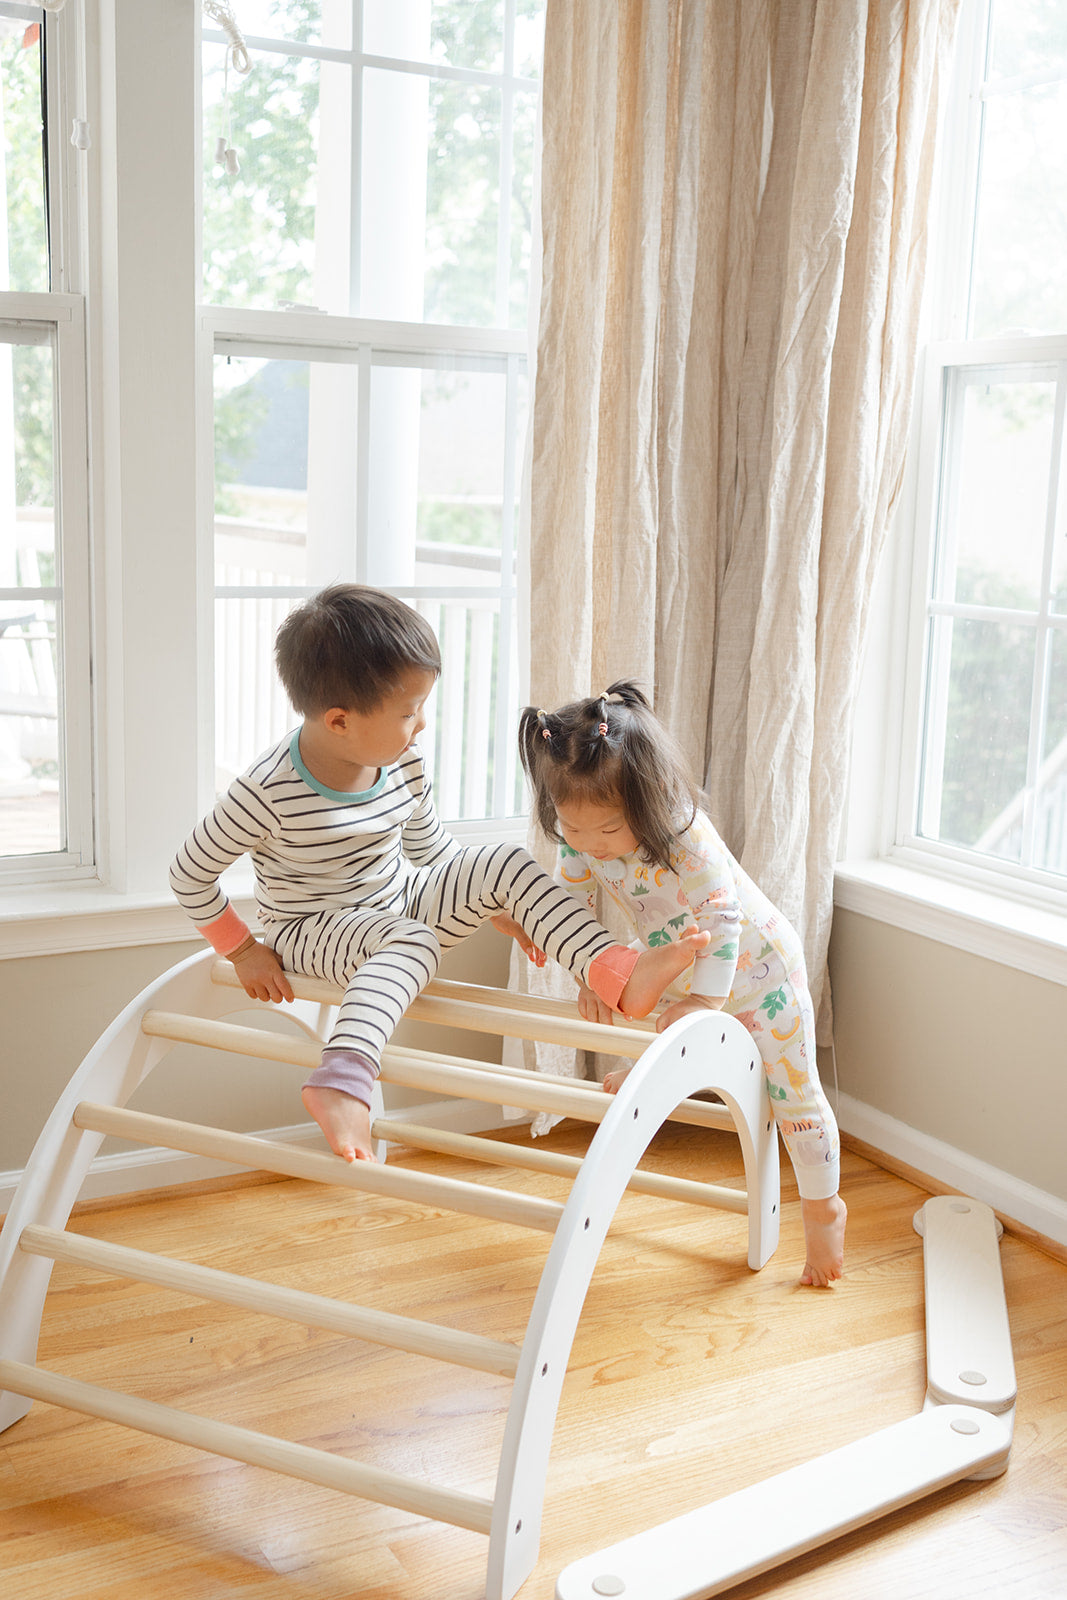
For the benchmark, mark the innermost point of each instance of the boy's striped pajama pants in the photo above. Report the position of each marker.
(383, 959)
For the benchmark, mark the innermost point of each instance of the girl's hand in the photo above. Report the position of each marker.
(261, 973)
(503, 923)
(685, 1008)
(592, 1008)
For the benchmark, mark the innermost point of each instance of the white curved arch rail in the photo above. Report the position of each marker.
(707, 1051)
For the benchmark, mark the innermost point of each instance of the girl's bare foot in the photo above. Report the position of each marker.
(824, 1240)
(613, 1081)
(657, 968)
(343, 1119)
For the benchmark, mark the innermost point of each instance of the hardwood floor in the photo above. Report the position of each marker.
(690, 1377)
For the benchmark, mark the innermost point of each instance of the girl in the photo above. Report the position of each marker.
(609, 786)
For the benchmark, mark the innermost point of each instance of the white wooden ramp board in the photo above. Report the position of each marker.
(968, 1340)
(964, 1431)
(746, 1533)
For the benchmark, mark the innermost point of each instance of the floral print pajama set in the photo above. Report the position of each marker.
(754, 962)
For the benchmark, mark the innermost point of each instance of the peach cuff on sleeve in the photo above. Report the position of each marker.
(226, 932)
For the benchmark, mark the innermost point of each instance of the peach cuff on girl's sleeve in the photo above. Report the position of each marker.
(610, 973)
(226, 932)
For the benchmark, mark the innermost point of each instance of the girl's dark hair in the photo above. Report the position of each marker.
(349, 646)
(610, 750)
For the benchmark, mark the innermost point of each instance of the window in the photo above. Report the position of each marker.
(989, 782)
(45, 747)
(368, 200)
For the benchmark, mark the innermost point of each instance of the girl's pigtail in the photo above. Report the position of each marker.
(529, 733)
(537, 754)
(625, 692)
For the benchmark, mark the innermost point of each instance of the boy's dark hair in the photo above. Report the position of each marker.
(349, 646)
(610, 750)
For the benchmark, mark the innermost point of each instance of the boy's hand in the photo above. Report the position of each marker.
(592, 1008)
(261, 974)
(685, 1008)
(504, 923)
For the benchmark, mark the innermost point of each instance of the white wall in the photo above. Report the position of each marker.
(56, 1007)
(942, 1047)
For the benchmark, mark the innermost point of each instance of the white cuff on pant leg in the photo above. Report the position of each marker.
(819, 1183)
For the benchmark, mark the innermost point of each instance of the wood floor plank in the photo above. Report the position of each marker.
(690, 1377)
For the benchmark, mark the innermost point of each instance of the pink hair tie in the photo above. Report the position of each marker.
(545, 734)
(602, 729)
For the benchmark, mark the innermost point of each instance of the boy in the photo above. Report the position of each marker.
(356, 880)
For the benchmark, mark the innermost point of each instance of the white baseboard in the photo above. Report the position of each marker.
(138, 1171)
(1012, 1197)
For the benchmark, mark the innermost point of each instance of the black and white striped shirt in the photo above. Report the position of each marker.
(313, 849)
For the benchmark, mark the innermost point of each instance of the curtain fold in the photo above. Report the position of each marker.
(734, 208)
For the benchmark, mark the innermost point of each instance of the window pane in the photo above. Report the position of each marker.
(431, 200)
(24, 263)
(1021, 236)
(463, 204)
(287, 517)
(1050, 823)
(1027, 36)
(251, 709)
(461, 457)
(529, 37)
(285, 471)
(1058, 574)
(259, 224)
(434, 246)
(312, 21)
(522, 205)
(978, 719)
(31, 819)
(474, 772)
(459, 33)
(1002, 484)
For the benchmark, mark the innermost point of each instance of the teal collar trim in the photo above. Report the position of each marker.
(352, 797)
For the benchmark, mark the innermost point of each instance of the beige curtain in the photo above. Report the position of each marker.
(734, 205)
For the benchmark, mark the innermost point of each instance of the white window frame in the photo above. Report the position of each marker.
(59, 321)
(57, 317)
(294, 334)
(357, 60)
(886, 872)
(365, 344)
(944, 363)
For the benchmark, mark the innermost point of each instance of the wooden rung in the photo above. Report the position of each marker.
(461, 1005)
(704, 1113)
(418, 1069)
(479, 1080)
(311, 1310)
(322, 992)
(257, 1042)
(241, 1150)
(257, 1449)
(504, 1154)
(752, 1530)
(533, 1005)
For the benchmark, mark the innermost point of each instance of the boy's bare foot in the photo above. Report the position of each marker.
(343, 1119)
(657, 968)
(613, 1081)
(824, 1240)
